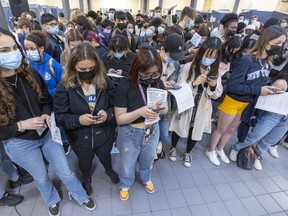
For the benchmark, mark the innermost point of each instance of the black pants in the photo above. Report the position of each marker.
(190, 143)
(86, 156)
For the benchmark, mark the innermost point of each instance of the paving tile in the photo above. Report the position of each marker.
(268, 203)
(278, 214)
(181, 211)
(255, 187)
(175, 198)
(201, 178)
(102, 189)
(258, 174)
(200, 210)
(218, 209)
(282, 199)
(270, 170)
(104, 207)
(178, 167)
(206, 164)
(281, 167)
(164, 169)
(170, 182)
(195, 166)
(162, 213)
(185, 180)
(209, 194)
(143, 214)
(39, 210)
(236, 208)
(193, 196)
(140, 203)
(80, 210)
(120, 207)
(225, 191)
(243, 174)
(23, 210)
(240, 189)
(215, 176)
(281, 181)
(253, 206)
(158, 201)
(230, 174)
(269, 185)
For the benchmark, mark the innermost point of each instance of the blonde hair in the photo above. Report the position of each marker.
(74, 14)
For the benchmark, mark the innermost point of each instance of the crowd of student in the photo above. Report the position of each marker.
(94, 72)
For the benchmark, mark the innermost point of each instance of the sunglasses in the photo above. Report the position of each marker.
(155, 75)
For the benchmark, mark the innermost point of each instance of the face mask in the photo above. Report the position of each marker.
(207, 61)
(148, 79)
(131, 30)
(121, 26)
(11, 60)
(157, 15)
(160, 30)
(107, 31)
(283, 25)
(54, 30)
(231, 33)
(274, 50)
(71, 47)
(33, 55)
(244, 54)
(87, 75)
(26, 32)
(111, 15)
(168, 60)
(149, 33)
(118, 55)
(70, 27)
(189, 24)
(253, 21)
(240, 20)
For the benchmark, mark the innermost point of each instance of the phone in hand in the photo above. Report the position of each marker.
(158, 109)
(213, 77)
(96, 117)
(279, 92)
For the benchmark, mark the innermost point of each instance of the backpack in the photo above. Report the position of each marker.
(246, 158)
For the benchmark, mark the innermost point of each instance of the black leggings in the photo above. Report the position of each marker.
(86, 156)
(190, 143)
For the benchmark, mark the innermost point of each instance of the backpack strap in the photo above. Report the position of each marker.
(51, 69)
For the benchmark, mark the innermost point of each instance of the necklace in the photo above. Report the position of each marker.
(262, 66)
(15, 83)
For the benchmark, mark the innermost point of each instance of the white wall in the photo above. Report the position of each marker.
(117, 4)
(261, 5)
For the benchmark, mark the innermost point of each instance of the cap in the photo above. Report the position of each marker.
(175, 46)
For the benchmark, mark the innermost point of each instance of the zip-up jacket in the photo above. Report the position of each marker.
(70, 104)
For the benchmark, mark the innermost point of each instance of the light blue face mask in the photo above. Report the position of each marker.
(157, 15)
(11, 60)
(118, 55)
(189, 24)
(149, 33)
(33, 55)
(54, 30)
(107, 31)
(168, 60)
(207, 61)
(111, 15)
(160, 30)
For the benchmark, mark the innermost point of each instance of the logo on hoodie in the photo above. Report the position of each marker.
(47, 76)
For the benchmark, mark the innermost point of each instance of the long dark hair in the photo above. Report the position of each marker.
(227, 49)
(211, 44)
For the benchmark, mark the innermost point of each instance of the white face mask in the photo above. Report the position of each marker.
(33, 55)
(131, 30)
(283, 25)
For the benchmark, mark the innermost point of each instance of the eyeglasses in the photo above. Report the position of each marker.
(52, 24)
(154, 75)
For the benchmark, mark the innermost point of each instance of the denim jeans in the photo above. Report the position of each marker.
(270, 128)
(130, 144)
(29, 155)
(7, 165)
(2, 191)
(164, 129)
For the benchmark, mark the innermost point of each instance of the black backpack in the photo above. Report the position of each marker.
(246, 158)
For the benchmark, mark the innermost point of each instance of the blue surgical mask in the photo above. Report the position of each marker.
(149, 33)
(189, 24)
(207, 61)
(168, 60)
(118, 55)
(33, 55)
(111, 15)
(131, 30)
(160, 30)
(11, 60)
(157, 15)
(107, 31)
(54, 30)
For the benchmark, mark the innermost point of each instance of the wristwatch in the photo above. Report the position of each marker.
(20, 130)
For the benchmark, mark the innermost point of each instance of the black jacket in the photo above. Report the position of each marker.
(23, 111)
(54, 47)
(70, 104)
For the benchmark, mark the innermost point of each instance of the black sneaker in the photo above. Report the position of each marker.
(89, 204)
(113, 176)
(11, 199)
(14, 184)
(87, 186)
(54, 210)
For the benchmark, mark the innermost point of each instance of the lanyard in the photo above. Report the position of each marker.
(142, 94)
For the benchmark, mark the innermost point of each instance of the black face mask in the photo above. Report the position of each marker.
(87, 75)
(231, 33)
(121, 26)
(149, 81)
(274, 50)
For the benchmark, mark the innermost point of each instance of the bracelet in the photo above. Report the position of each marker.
(20, 129)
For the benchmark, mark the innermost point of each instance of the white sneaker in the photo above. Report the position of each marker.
(172, 154)
(187, 159)
(223, 156)
(212, 157)
(273, 151)
(233, 155)
(257, 164)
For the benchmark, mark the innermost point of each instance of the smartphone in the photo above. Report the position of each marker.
(158, 109)
(96, 117)
(279, 92)
(213, 77)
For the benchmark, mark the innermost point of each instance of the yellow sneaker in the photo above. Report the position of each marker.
(149, 186)
(124, 194)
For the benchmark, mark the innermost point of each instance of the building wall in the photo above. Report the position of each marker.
(117, 4)
(269, 5)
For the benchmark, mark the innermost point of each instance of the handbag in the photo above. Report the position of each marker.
(246, 158)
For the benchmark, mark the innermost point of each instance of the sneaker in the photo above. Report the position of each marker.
(113, 176)
(212, 157)
(87, 186)
(9, 199)
(257, 164)
(273, 151)
(89, 204)
(233, 155)
(187, 159)
(149, 186)
(124, 194)
(172, 154)
(223, 156)
(14, 184)
(54, 210)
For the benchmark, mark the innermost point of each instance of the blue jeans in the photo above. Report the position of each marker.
(270, 128)
(29, 155)
(7, 165)
(130, 144)
(164, 129)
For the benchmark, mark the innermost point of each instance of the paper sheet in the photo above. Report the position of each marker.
(55, 131)
(195, 40)
(184, 97)
(115, 75)
(276, 103)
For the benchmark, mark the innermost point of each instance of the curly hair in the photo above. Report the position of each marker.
(7, 105)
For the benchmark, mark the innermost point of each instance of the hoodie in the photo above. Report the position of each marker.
(42, 68)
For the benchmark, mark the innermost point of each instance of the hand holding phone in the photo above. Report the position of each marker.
(156, 109)
(212, 77)
(96, 117)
